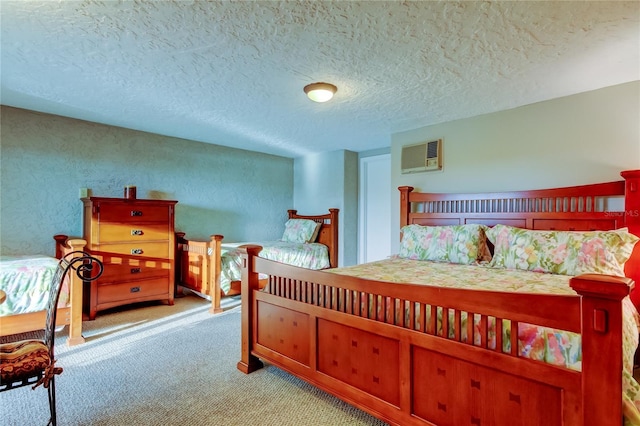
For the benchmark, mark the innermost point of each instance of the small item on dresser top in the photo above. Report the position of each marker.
(130, 192)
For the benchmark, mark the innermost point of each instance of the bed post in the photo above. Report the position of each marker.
(214, 254)
(405, 205)
(333, 255)
(250, 283)
(177, 276)
(632, 200)
(61, 245)
(632, 221)
(601, 308)
(75, 296)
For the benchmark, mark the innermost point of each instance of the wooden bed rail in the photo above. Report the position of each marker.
(318, 302)
(584, 198)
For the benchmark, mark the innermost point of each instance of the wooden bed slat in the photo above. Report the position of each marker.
(499, 346)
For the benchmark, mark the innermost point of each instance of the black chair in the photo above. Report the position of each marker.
(28, 359)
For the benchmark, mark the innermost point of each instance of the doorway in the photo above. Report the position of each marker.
(375, 208)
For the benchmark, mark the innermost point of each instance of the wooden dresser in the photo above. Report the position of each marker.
(135, 240)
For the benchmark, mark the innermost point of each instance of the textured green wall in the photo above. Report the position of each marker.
(46, 159)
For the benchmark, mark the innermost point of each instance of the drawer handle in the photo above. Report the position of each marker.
(135, 289)
(136, 232)
(136, 251)
(136, 270)
(136, 213)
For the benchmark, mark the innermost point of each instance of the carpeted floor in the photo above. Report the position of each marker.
(172, 365)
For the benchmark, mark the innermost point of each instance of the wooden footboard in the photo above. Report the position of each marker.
(70, 315)
(320, 327)
(198, 267)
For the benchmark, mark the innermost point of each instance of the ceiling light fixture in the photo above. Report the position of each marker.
(320, 92)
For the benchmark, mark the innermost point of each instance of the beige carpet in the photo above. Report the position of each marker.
(172, 365)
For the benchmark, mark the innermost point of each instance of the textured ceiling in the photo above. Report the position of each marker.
(232, 73)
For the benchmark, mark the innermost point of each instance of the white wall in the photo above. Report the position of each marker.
(330, 180)
(580, 139)
(374, 218)
(45, 159)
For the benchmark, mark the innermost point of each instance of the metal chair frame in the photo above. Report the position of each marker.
(88, 268)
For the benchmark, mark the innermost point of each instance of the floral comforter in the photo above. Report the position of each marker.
(303, 255)
(26, 281)
(539, 343)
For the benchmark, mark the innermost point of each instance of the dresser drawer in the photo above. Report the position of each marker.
(132, 212)
(135, 269)
(110, 293)
(158, 250)
(135, 231)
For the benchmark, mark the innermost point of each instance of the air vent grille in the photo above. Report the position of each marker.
(422, 157)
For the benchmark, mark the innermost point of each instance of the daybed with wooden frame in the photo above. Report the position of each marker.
(198, 263)
(70, 315)
(319, 325)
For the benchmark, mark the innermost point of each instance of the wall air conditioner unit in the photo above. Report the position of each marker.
(422, 157)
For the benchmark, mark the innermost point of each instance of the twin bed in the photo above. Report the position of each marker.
(26, 281)
(500, 309)
(205, 267)
(213, 269)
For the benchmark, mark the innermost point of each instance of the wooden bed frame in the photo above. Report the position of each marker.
(70, 315)
(198, 262)
(409, 376)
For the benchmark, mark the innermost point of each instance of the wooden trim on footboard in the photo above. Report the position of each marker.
(371, 344)
(70, 315)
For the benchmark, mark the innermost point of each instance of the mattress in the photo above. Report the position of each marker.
(303, 255)
(26, 280)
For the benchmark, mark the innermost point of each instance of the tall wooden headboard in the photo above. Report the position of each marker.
(579, 208)
(328, 234)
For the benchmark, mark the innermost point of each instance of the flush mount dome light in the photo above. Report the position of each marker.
(320, 92)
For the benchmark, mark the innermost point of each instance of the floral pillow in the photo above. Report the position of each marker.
(465, 244)
(300, 231)
(561, 252)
